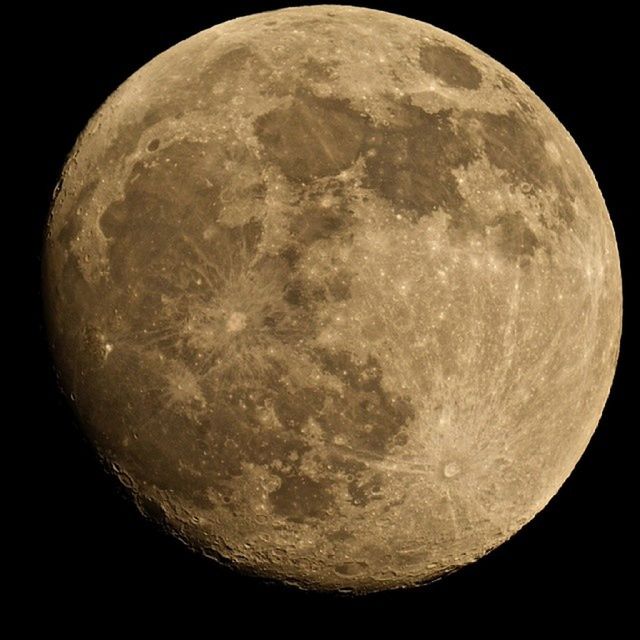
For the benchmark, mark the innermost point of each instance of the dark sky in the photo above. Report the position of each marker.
(89, 545)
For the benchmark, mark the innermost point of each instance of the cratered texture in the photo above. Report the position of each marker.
(335, 294)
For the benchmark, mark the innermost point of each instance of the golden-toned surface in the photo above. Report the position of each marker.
(335, 294)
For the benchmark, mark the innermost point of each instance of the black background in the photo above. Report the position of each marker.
(93, 550)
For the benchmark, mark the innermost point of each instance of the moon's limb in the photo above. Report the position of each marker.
(344, 319)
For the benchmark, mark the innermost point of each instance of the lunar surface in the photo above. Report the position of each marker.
(335, 295)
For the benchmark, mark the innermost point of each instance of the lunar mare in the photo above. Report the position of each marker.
(335, 295)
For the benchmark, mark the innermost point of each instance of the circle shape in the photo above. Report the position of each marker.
(335, 295)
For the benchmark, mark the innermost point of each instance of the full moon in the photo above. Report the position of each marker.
(335, 295)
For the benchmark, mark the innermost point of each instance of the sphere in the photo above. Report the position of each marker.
(335, 295)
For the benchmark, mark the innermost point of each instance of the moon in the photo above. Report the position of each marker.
(335, 295)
